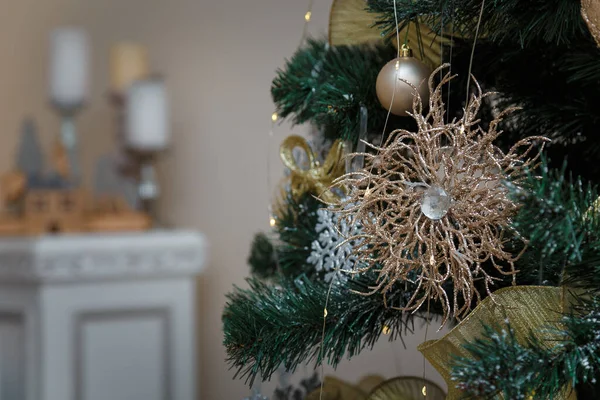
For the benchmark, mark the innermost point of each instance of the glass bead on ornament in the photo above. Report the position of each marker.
(435, 203)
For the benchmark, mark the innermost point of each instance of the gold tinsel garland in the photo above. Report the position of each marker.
(433, 204)
(530, 310)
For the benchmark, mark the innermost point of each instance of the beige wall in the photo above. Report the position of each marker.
(219, 57)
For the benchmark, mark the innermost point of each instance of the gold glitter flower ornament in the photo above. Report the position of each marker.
(434, 204)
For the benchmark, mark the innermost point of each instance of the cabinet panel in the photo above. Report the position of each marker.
(122, 355)
(12, 356)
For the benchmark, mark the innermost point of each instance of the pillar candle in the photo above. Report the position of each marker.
(146, 126)
(128, 63)
(69, 67)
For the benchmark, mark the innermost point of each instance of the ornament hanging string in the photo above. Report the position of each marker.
(427, 321)
(449, 61)
(274, 118)
(387, 117)
(322, 348)
(473, 49)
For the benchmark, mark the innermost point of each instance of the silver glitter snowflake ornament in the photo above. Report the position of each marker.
(332, 253)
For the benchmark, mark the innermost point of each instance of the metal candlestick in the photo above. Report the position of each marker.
(68, 138)
(127, 167)
(148, 188)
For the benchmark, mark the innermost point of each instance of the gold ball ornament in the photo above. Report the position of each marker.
(397, 81)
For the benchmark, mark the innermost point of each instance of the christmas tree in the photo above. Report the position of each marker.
(470, 194)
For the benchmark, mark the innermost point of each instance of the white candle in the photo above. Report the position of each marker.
(69, 67)
(147, 125)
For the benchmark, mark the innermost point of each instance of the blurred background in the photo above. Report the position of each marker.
(217, 59)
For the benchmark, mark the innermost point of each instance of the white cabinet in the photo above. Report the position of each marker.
(99, 317)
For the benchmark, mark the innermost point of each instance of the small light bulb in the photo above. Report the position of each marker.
(272, 222)
(274, 117)
(386, 330)
(397, 65)
(307, 16)
(424, 391)
(325, 313)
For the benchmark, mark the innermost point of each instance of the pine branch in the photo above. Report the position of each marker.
(328, 85)
(518, 22)
(262, 259)
(293, 88)
(544, 367)
(268, 326)
(555, 219)
(556, 88)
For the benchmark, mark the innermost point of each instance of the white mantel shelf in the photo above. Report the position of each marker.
(91, 257)
(99, 316)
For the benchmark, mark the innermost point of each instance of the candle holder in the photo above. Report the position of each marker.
(146, 135)
(68, 138)
(125, 163)
(147, 184)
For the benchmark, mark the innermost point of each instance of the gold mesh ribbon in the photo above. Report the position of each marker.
(407, 388)
(350, 23)
(590, 11)
(401, 388)
(529, 309)
(317, 179)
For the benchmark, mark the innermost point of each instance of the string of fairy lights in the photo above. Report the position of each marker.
(275, 118)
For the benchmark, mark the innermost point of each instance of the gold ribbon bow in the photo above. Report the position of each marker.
(530, 310)
(317, 179)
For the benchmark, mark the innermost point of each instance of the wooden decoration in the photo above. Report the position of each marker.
(11, 225)
(12, 187)
(54, 211)
(113, 214)
(32, 203)
(130, 221)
